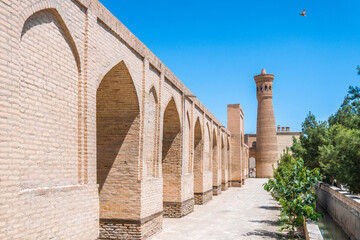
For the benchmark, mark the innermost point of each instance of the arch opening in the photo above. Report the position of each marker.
(228, 155)
(207, 148)
(198, 158)
(252, 167)
(224, 166)
(117, 142)
(187, 144)
(216, 165)
(171, 157)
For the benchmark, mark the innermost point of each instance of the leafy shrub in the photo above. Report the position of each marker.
(292, 186)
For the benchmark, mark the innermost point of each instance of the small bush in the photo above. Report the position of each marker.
(292, 186)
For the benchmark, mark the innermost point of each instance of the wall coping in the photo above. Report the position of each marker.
(312, 230)
(352, 200)
(105, 16)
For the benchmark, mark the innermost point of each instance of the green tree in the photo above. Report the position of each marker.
(348, 114)
(307, 147)
(340, 157)
(292, 188)
(334, 146)
(358, 68)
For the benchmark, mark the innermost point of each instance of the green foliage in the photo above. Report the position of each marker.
(358, 68)
(340, 158)
(348, 114)
(292, 188)
(334, 147)
(307, 147)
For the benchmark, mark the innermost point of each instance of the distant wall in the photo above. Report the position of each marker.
(285, 139)
(343, 207)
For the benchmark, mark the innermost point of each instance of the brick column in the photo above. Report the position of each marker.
(235, 126)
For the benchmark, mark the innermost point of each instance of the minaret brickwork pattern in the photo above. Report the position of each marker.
(266, 140)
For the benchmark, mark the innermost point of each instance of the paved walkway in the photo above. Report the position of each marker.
(238, 213)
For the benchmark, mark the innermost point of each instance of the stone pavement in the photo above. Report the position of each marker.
(238, 213)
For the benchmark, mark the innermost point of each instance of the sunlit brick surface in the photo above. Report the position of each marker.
(98, 137)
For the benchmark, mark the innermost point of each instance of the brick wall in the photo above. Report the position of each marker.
(87, 116)
(171, 154)
(236, 126)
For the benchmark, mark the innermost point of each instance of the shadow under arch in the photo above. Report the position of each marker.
(207, 147)
(117, 142)
(171, 157)
(171, 133)
(151, 139)
(46, 43)
(228, 155)
(59, 22)
(198, 157)
(188, 153)
(215, 164)
(224, 164)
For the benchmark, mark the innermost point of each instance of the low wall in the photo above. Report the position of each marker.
(312, 231)
(343, 207)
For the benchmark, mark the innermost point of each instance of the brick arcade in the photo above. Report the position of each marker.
(99, 139)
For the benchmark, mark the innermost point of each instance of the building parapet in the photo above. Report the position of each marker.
(107, 18)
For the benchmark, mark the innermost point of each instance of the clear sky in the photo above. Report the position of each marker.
(216, 47)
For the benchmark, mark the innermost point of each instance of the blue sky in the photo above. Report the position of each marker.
(217, 47)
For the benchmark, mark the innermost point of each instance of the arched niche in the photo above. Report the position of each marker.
(49, 104)
(198, 157)
(151, 133)
(215, 162)
(117, 141)
(171, 154)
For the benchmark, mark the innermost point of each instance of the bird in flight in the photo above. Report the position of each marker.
(303, 13)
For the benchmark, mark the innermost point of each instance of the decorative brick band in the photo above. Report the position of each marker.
(224, 186)
(203, 197)
(130, 228)
(178, 209)
(235, 183)
(217, 190)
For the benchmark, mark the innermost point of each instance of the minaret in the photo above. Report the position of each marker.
(266, 140)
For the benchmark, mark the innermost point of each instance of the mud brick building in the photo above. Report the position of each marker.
(99, 139)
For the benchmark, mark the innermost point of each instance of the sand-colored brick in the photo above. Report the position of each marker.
(97, 134)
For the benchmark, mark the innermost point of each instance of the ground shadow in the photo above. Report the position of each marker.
(270, 207)
(269, 222)
(267, 234)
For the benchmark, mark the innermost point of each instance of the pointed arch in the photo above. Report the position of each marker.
(117, 140)
(215, 160)
(50, 86)
(153, 94)
(228, 154)
(224, 164)
(171, 156)
(187, 143)
(188, 119)
(151, 133)
(48, 16)
(207, 148)
(214, 138)
(198, 157)
(171, 134)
